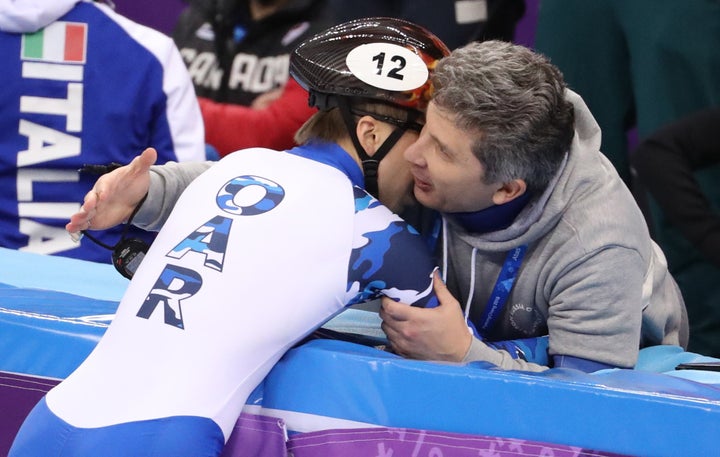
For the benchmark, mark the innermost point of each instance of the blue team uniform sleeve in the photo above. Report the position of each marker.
(389, 257)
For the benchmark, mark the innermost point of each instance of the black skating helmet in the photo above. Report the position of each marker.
(379, 58)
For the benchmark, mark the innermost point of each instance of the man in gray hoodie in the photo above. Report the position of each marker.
(540, 235)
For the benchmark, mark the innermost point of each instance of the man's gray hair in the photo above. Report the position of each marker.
(512, 100)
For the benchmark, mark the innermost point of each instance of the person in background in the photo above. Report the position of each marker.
(540, 235)
(237, 52)
(678, 167)
(259, 250)
(637, 64)
(83, 88)
(456, 22)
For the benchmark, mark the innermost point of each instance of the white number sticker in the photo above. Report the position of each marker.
(387, 66)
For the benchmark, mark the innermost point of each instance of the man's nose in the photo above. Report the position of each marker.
(413, 152)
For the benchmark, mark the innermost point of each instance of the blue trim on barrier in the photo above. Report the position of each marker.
(622, 411)
(61, 274)
(47, 333)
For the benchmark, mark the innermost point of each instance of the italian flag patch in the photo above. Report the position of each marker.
(58, 42)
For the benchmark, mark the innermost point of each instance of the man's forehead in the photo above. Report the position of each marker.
(441, 124)
(443, 129)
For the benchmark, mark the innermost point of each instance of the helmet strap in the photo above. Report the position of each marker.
(370, 165)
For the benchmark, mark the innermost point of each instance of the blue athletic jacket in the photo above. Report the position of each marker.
(81, 85)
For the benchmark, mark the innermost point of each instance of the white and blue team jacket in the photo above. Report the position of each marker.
(258, 252)
(81, 85)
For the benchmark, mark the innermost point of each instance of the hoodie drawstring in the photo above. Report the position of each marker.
(472, 272)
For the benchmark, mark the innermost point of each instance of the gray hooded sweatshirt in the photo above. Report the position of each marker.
(591, 278)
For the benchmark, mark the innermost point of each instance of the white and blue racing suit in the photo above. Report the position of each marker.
(258, 252)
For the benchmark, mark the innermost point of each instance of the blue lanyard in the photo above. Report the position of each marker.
(503, 286)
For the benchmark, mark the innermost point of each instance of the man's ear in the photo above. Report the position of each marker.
(370, 134)
(509, 191)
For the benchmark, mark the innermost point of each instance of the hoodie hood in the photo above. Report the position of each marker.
(583, 172)
(29, 16)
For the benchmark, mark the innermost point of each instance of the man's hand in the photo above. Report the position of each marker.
(114, 196)
(427, 333)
